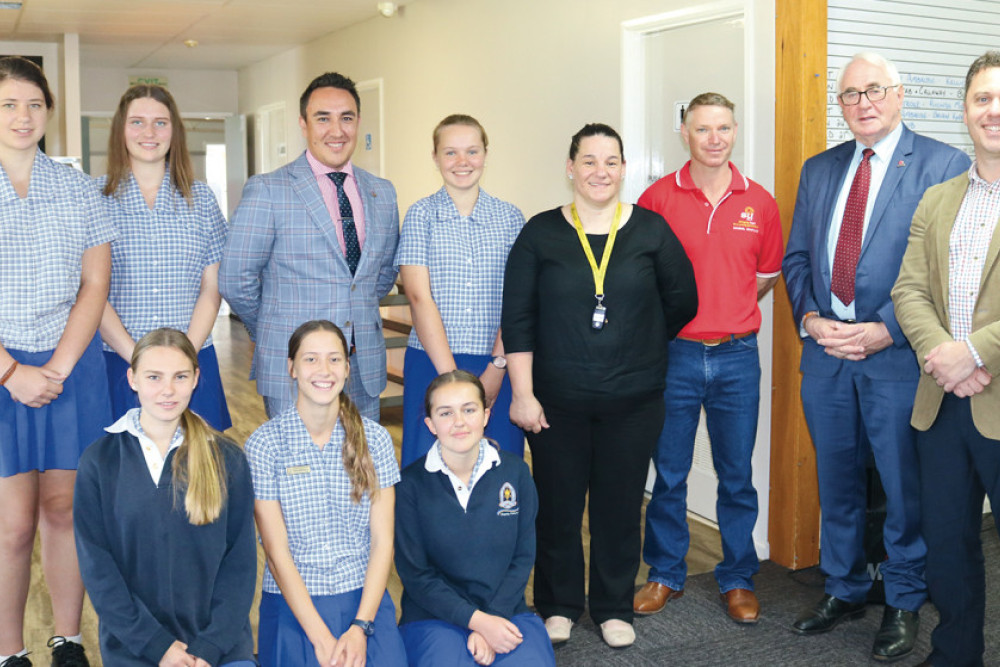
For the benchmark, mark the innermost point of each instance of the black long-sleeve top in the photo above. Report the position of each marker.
(548, 301)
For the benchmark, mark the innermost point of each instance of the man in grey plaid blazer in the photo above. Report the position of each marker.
(315, 239)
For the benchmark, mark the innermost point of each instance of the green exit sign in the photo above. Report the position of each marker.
(138, 80)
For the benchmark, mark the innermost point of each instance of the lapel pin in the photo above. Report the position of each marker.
(374, 194)
(901, 164)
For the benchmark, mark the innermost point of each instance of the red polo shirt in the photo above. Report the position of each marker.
(730, 246)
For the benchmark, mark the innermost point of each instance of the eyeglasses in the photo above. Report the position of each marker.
(874, 94)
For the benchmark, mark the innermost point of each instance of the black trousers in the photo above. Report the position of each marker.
(958, 465)
(603, 447)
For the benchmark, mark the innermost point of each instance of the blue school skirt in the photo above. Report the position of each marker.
(434, 643)
(208, 399)
(53, 437)
(418, 372)
(281, 641)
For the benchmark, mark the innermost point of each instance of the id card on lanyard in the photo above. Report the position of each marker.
(600, 315)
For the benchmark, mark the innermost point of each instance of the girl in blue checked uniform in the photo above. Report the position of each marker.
(165, 262)
(164, 524)
(465, 541)
(452, 253)
(54, 265)
(323, 479)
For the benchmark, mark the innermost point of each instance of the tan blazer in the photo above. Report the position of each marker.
(920, 298)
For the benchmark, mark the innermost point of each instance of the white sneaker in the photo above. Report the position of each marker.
(617, 633)
(558, 628)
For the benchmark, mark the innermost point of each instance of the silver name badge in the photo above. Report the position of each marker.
(599, 318)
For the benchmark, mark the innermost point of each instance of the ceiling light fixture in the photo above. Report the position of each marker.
(10, 5)
(190, 43)
(387, 9)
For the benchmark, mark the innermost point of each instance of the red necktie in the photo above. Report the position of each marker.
(852, 229)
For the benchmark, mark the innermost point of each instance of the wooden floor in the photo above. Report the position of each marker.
(234, 350)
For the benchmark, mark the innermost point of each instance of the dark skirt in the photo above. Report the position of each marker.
(53, 437)
(418, 372)
(208, 399)
(283, 643)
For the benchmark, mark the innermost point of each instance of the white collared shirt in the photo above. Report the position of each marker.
(489, 458)
(880, 166)
(129, 422)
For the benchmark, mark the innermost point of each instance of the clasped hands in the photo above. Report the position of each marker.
(954, 369)
(491, 635)
(850, 341)
(950, 363)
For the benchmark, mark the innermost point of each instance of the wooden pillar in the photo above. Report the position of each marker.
(800, 133)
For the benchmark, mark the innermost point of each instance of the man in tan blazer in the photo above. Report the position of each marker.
(947, 302)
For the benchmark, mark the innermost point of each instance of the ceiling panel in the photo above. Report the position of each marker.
(150, 33)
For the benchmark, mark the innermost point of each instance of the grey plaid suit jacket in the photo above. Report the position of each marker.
(283, 266)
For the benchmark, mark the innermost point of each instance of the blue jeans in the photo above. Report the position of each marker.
(725, 380)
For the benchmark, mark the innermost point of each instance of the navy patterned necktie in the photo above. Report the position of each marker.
(352, 247)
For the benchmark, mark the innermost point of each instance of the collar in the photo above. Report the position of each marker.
(884, 148)
(489, 458)
(320, 170)
(129, 423)
(478, 214)
(683, 179)
(978, 181)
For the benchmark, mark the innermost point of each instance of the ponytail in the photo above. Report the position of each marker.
(357, 459)
(199, 470)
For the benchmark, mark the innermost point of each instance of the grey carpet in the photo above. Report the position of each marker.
(696, 631)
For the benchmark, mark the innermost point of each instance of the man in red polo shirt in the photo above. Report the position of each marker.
(731, 231)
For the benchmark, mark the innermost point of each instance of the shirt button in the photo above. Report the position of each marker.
(347, 323)
(156, 290)
(468, 284)
(354, 287)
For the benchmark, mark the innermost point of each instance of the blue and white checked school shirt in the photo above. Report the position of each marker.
(465, 258)
(160, 254)
(42, 241)
(328, 533)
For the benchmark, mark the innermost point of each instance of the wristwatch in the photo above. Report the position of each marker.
(499, 362)
(368, 627)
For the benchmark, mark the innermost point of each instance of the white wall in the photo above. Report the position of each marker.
(202, 92)
(533, 72)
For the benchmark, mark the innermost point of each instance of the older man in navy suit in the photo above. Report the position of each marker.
(859, 374)
(315, 239)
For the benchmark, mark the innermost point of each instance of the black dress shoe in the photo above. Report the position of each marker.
(898, 634)
(826, 614)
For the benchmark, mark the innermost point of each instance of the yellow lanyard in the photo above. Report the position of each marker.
(598, 271)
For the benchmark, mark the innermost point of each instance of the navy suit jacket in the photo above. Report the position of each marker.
(918, 163)
(283, 266)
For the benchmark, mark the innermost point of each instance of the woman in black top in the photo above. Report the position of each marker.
(587, 358)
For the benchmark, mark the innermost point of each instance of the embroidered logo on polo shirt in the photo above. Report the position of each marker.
(508, 500)
(746, 223)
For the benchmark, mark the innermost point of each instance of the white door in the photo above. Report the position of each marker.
(676, 60)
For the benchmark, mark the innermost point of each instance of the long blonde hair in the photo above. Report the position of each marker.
(357, 459)
(198, 467)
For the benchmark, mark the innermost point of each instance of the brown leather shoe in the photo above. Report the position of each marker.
(741, 605)
(653, 597)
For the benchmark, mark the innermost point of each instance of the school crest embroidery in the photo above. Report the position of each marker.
(508, 500)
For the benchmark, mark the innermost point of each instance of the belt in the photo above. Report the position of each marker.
(712, 342)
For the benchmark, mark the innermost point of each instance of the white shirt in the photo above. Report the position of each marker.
(880, 166)
(489, 457)
(154, 462)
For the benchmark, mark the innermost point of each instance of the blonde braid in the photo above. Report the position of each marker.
(357, 459)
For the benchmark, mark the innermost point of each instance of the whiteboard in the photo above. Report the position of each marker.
(931, 42)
